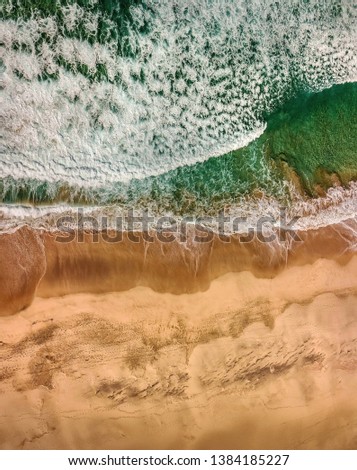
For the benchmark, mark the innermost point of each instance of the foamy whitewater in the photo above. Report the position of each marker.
(88, 103)
(338, 206)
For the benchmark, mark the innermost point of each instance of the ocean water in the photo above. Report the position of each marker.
(181, 106)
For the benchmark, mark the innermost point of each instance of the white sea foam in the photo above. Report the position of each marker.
(339, 205)
(210, 68)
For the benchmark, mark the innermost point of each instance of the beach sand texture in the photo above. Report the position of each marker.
(254, 359)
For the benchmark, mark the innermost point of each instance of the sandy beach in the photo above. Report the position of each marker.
(264, 357)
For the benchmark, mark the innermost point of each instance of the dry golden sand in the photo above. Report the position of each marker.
(249, 363)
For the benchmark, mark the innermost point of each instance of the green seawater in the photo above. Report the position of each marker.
(256, 60)
(315, 135)
(317, 132)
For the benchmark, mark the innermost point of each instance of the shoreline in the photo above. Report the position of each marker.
(49, 268)
(339, 203)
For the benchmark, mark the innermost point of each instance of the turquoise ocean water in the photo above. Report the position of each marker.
(187, 106)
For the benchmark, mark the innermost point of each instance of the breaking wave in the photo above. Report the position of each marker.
(96, 92)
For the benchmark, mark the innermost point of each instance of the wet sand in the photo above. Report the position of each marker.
(35, 263)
